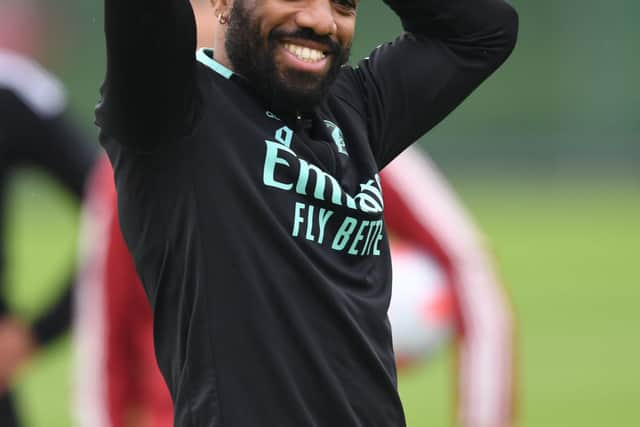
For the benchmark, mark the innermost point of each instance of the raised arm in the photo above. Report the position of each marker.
(409, 85)
(149, 86)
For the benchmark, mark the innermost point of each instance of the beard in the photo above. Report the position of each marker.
(253, 57)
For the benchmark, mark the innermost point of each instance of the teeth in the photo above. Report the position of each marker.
(304, 53)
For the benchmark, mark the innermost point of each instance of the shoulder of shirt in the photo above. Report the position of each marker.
(38, 89)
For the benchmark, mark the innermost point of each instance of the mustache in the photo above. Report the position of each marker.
(307, 34)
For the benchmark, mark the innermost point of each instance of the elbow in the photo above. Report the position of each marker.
(508, 33)
(500, 40)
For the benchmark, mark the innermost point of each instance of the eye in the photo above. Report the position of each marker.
(346, 6)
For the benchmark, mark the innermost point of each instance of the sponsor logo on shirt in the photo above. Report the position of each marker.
(336, 134)
(355, 236)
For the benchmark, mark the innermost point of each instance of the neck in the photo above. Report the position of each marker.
(219, 47)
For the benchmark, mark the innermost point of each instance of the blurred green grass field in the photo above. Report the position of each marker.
(568, 251)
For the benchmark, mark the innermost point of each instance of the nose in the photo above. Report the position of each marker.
(317, 15)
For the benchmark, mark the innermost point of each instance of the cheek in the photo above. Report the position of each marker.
(346, 30)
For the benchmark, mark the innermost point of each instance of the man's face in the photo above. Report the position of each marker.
(290, 50)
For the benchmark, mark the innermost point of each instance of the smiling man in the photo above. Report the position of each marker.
(292, 54)
(249, 194)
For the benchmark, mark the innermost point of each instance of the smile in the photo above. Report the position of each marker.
(304, 53)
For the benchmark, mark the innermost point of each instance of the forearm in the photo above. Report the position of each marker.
(450, 48)
(472, 20)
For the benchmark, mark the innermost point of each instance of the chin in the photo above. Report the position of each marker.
(297, 100)
(300, 91)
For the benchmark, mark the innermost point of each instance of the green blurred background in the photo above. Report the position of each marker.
(546, 154)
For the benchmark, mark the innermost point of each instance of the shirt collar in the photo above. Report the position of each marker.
(205, 56)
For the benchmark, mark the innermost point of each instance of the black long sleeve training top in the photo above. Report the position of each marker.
(259, 239)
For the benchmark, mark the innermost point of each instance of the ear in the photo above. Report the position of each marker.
(221, 6)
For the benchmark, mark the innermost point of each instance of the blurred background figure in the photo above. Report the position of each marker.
(117, 379)
(445, 283)
(23, 27)
(34, 132)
